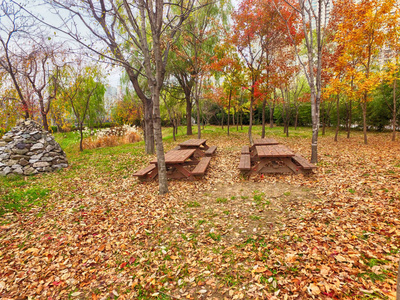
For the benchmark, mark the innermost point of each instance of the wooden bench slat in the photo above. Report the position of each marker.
(244, 163)
(201, 167)
(211, 150)
(303, 162)
(245, 150)
(145, 171)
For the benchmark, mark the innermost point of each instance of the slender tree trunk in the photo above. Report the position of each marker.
(148, 127)
(271, 115)
(251, 120)
(198, 118)
(233, 116)
(237, 121)
(188, 114)
(263, 118)
(45, 124)
(349, 119)
(222, 120)
(296, 118)
(229, 109)
(323, 118)
(81, 133)
(241, 119)
(364, 110)
(337, 118)
(315, 125)
(394, 121)
(162, 170)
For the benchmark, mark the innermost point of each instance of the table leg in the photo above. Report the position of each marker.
(181, 172)
(288, 162)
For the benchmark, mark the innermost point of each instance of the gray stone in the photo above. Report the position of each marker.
(60, 166)
(49, 148)
(19, 171)
(2, 144)
(23, 162)
(37, 146)
(6, 171)
(2, 165)
(37, 136)
(59, 161)
(41, 164)
(4, 156)
(19, 156)
(11, 162)
(26, 136)
(16, 166)
(20, 146)
(48, 169)
(46, 158)
(32, 161)
(37, 156)
(7, 139)
(20, 151)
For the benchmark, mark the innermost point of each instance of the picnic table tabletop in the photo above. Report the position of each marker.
(274, 151)
(176, 156)
(265, 141)
(193, 143)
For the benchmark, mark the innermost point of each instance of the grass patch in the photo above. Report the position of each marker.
(193, 204)
(222, 200)
(20, 200)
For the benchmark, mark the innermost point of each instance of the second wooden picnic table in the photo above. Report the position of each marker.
(267, 156)
(200, 145)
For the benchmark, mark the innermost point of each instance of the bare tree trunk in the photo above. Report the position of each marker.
(394, 121)
(162, 170)
(229, 108)
(222, 119)
(271, 115)
(148, 126)
(81, 134)
(188, 115)
(241, 119)
(315, 126)
(198, 118)
(349, 118)
(251, 120)
(237, 121)
(337, 118)
(364, 110)
(263, 118)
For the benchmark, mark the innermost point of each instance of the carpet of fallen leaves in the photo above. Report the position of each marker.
(103, 235)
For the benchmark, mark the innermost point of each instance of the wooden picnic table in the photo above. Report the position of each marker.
(179, 164)
(265, 141)
(273, 158)
(202, 149)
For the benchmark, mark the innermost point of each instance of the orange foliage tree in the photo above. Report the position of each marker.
(363, 33)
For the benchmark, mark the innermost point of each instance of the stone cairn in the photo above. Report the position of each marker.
(27, 149)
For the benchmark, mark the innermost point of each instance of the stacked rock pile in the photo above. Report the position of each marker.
(27, 149)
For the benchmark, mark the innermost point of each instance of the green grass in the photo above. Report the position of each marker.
(20, 200)
(222, 200)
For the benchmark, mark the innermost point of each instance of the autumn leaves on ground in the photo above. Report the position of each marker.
(94, 232)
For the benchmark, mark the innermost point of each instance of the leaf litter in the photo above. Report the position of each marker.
(331, 235)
